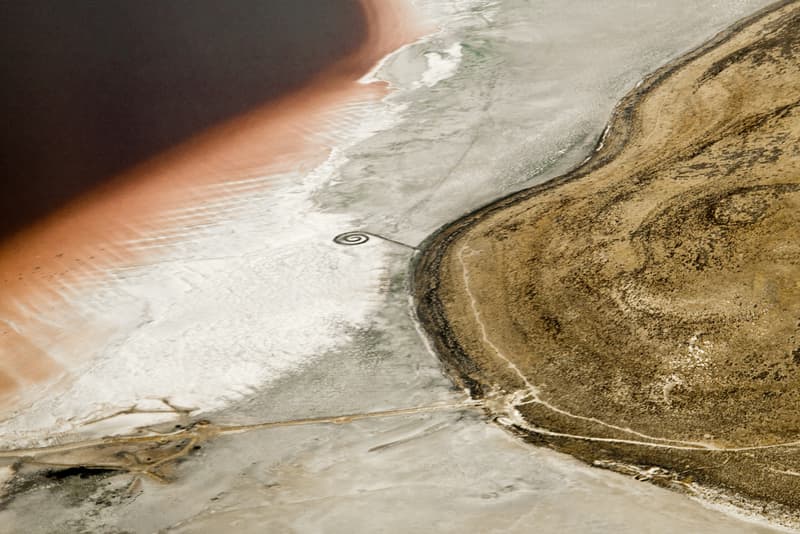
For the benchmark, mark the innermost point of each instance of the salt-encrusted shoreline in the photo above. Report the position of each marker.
(50, 271)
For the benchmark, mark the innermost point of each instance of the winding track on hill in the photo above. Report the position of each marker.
(643, 310)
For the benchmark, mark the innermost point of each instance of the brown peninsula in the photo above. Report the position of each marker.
(642, 312)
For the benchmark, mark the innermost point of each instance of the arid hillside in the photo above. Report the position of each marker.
(643, 311)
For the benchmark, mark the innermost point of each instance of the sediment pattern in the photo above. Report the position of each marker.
(643, 311)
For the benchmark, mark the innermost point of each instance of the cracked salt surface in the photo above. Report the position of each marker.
(264, 318)
(236, 312)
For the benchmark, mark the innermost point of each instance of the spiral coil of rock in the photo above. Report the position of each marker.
(351, 238)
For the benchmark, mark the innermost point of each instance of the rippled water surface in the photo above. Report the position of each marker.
(93, 88)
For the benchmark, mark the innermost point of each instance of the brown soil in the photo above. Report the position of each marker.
(644, 310)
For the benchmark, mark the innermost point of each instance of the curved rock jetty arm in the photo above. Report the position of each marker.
(642, 312)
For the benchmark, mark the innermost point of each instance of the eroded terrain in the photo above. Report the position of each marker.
(643, 312)
(347, 419)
